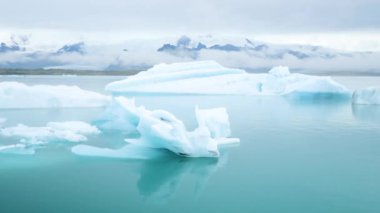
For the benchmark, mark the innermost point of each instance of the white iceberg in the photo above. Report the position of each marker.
(71, 131)
(74, 126)
(210, 78)
(366, 96)
(160, 129)
(121, 115)
(18, 95)
(215, 120)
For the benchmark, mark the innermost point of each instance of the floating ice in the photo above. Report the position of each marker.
(160, 129)
(366, 96)
(74, 126)
(126, 152)
(121, 114)
(72, 131)
(18, 95)
(208, 77)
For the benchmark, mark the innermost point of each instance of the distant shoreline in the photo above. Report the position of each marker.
(4, 71)
(67, 72)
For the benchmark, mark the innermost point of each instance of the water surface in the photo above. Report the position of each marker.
(316, 155)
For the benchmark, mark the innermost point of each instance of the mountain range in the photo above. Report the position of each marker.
(252, 55)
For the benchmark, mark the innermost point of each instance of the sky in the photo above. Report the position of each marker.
(343, 24)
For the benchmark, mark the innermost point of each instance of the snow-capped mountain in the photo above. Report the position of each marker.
(72, 48)
(185, 45)
(139, 54)
(9, 48)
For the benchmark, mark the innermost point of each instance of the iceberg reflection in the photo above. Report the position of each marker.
(366, 112)
(160, 178)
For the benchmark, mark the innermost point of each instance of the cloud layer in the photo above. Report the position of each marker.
(197, 16)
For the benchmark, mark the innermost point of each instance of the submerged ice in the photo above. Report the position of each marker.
(19, 95)
(209, 77)
(366, 96)
(159, 129)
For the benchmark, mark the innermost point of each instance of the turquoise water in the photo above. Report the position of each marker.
(295, 156)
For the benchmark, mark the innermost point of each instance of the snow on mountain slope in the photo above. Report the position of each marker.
(251, 48)
(139, 54)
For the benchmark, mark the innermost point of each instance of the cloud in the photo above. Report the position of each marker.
(198, 16)
(103, 58)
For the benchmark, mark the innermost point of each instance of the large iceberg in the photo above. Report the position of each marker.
(209, 77)
(159, 129)
(366, 96)
(19, 95)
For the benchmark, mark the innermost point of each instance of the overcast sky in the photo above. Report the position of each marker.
(172, 17)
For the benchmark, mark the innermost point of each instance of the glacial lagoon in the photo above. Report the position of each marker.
(309, 155)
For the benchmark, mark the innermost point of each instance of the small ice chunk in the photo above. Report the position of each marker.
(72, 131)
(366, 96)
(19, 95)
(74, 126)
(227, 141)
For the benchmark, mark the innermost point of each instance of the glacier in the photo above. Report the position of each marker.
(211, 78)
(159, 129)
(19, 95)
(369, 95)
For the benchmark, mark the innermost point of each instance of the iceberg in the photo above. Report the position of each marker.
(121, 115)
(366, 96)
(19, 95)
(211, 78)
(71, 131)
(159, 129)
